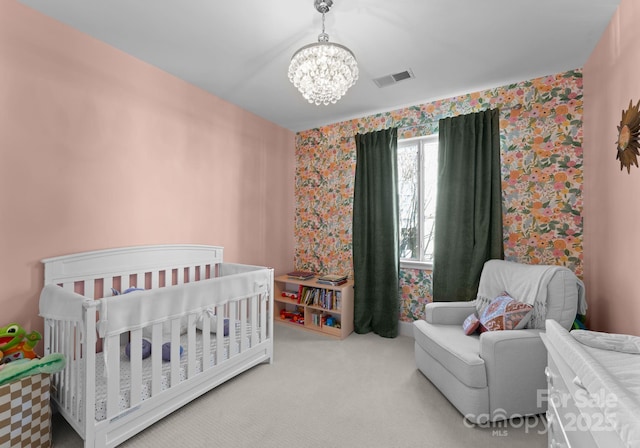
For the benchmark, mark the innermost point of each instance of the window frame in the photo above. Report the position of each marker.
(423, 139)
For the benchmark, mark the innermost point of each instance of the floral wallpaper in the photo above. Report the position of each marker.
(541, 155)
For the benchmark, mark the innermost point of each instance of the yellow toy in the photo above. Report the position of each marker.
(16, 344)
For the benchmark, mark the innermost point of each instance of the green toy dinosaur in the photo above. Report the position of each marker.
(16, 344)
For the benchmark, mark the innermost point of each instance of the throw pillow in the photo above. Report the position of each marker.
(505, 313)
(470, 324)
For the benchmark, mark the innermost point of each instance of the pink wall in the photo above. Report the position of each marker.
(611, 207)
(99, 150)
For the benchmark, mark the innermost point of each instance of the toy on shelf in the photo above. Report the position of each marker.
(16, 344)
(330, 321)
(293, 295)
(293, 316)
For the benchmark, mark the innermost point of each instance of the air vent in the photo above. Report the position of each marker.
(388, 80)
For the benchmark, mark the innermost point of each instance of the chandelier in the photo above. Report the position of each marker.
(323, 71)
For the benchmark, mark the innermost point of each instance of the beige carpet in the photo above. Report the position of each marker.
(363, 391)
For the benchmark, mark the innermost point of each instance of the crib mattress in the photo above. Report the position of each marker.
(165, 380)
(608, 372)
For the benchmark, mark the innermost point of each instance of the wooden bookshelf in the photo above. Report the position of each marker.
(330, 311)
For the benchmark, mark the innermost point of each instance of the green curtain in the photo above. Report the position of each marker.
(468, 225)
(376, 261)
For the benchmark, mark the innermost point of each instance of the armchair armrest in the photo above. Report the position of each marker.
(448, 313)
(515, 362)
(495, 345)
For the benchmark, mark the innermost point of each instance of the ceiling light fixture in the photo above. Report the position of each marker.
(323, 71)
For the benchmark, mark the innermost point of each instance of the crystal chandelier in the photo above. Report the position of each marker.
(323, 71)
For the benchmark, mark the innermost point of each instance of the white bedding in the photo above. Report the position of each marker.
(611, 372)
(125, 379)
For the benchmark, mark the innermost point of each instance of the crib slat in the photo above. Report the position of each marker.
(55, 346)
(263, 317)
(155, 279)
(68, 350)
(68, 384)
(112, 368)
(88, 368)
(107, 284)
(219, 311)
(191, 346)
(65, 378)
(233, 347)
(175, 352)
(156, 359)
(206, 342)
(243, 324)
(253, 320)
(75, 362)
(89, 288)
(52, 347)
(124, 283)
(135, 362)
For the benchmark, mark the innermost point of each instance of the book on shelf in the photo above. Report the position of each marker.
(320, 297)
(301, 275)
(332, 279)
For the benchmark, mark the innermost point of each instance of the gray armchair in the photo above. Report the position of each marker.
(496, 375)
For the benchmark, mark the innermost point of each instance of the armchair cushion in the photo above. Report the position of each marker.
(457, 352)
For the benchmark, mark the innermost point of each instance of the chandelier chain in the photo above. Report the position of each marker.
(323, 22)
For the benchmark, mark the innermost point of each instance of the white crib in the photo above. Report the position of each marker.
(189, 297)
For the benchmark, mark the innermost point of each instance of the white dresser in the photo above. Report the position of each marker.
(576, 417)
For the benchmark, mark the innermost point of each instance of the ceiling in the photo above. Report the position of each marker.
(240, 50)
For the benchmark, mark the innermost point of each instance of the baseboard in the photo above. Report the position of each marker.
(405, 329)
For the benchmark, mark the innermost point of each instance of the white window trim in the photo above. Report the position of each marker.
(415, 264)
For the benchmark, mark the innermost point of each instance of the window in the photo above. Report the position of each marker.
(417, 179)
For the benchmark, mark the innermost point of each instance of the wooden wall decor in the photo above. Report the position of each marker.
(628, 137)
